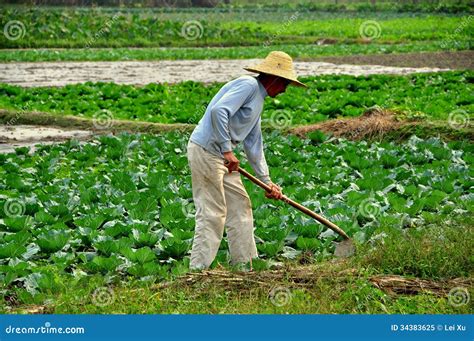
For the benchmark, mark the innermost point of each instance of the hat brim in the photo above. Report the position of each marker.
(293, 81)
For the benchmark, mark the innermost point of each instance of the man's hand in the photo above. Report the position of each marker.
(231, 162)
(275, 193)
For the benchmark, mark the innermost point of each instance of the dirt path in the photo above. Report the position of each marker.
(456, 60)
(144, 72)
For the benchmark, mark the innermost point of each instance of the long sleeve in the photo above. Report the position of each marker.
(253, 147)
(223, 110)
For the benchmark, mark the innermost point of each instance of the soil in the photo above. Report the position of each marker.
(459, 60)
(12, 137)
(169, 71)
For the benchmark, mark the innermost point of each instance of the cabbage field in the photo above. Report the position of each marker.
(122, 206)
(96, 206)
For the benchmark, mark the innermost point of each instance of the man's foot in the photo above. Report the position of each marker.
(196, 269)
(241, 267)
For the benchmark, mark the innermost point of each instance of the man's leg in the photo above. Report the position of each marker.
(207, 172)
(239, 220)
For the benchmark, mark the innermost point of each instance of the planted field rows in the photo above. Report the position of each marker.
(56, 27)
(97, 105)
(431, 95)
(122, 205)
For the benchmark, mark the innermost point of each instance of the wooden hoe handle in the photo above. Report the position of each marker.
(299, 207)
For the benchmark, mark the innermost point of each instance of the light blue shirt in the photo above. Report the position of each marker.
(233, 116)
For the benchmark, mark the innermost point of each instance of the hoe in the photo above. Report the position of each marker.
(345, 248)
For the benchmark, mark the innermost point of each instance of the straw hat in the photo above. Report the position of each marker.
(277, 63)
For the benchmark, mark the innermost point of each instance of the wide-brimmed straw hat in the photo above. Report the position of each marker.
(277, 63)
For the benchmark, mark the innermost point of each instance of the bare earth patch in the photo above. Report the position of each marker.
(169, 71)
(12, 137)
(455, 60)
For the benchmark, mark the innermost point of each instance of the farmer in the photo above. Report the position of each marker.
(232, 116)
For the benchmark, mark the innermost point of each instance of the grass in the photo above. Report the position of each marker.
(423, 129)
(426, 129)
(438, 253)
(13, 117)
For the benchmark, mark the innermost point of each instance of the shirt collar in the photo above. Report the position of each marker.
(263, 91)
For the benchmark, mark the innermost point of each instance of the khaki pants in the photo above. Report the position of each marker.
(221, 200)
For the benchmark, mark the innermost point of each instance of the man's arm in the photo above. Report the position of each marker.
(253, 147)
(225, 107)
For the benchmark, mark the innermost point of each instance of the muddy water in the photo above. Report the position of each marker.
(170, 71)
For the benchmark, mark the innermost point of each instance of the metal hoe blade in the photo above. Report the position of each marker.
(345, 249)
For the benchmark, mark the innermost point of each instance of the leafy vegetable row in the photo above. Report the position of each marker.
(60, 27)
(330, 96)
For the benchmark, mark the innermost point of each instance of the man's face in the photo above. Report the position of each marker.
(277, 86)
